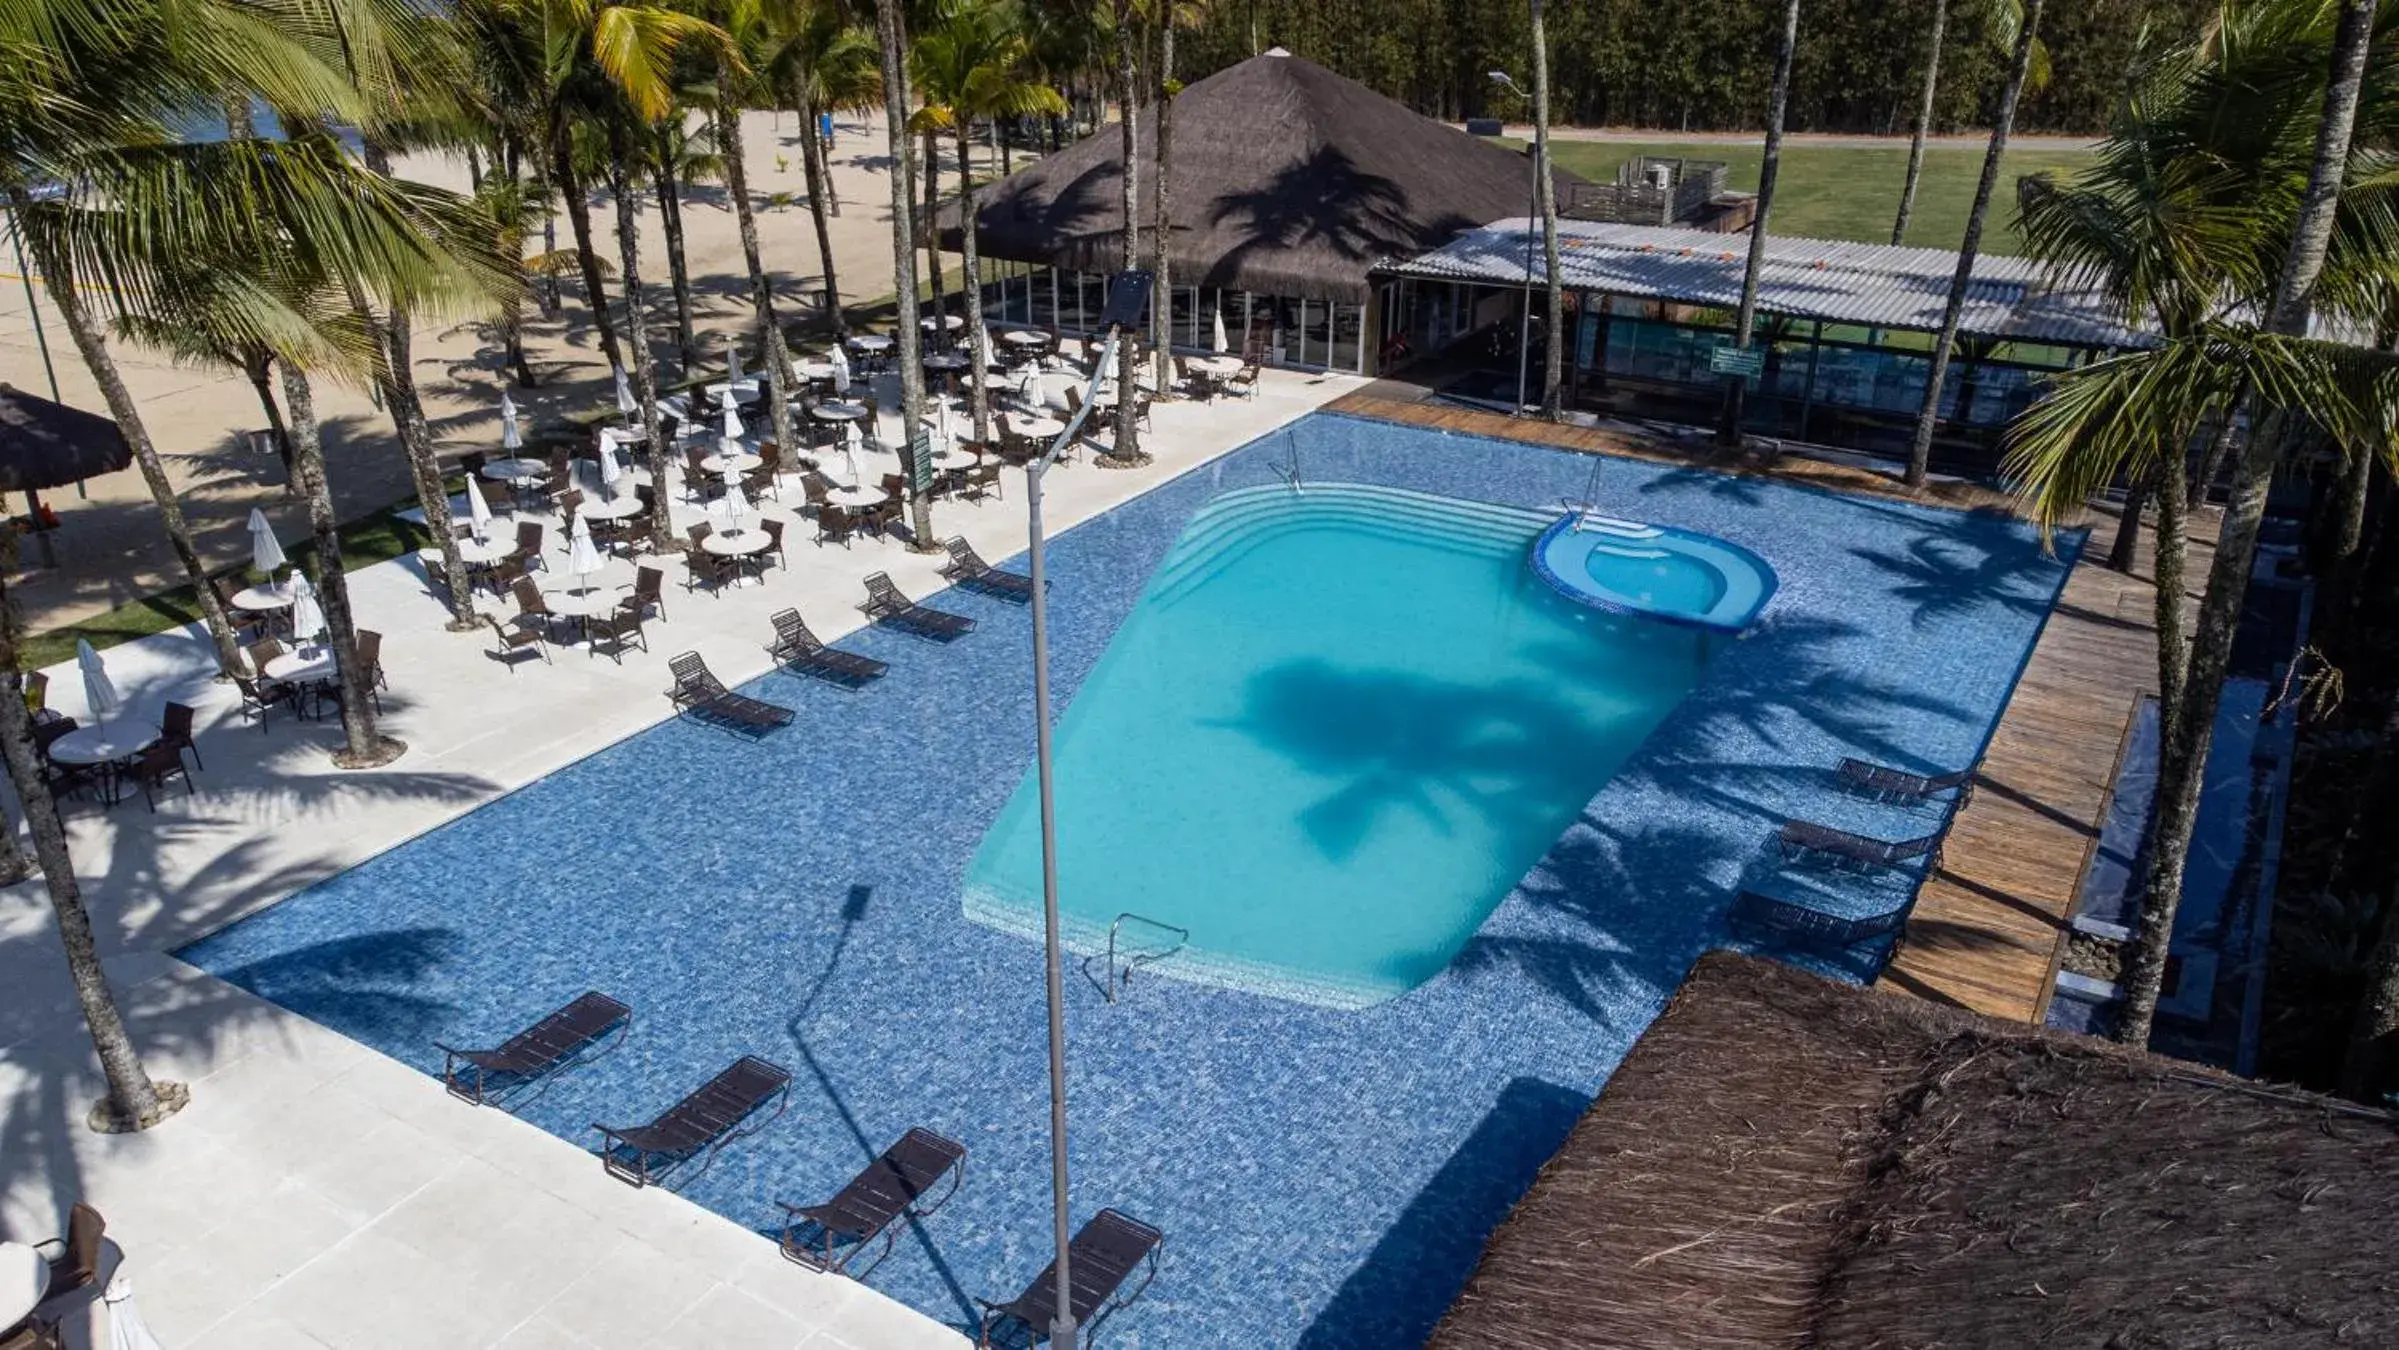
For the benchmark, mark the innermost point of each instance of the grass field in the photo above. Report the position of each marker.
(1831, 192)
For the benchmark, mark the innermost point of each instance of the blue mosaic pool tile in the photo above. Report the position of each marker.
(1325, 1178)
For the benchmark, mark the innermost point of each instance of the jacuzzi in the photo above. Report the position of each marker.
(1658, 571)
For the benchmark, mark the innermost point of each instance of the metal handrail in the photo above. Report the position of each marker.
(1135, 961)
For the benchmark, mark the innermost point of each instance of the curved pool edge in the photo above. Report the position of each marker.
(1561, 557)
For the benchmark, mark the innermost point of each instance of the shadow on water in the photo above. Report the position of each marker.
(1416, 1270)
(853, 912)
(368, 987)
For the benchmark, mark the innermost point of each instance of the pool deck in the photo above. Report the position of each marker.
(1989, 927)
(317, 1193)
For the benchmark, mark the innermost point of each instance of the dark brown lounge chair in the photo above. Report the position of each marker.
(1783, 924)
(707, 1120)
(891, 1188)
(697, 691)
(1898, 785)
(885, 604)
(1106, 1252)
(1801, 838)
(967, 568)
(798, 648)
(537, 1050)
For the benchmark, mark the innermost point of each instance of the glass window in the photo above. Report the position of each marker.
(1041, 306)
(1349, 322)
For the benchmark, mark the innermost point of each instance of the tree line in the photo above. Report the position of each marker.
(1704, 65)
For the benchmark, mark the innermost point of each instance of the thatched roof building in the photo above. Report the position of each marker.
(1287, 180)
(1787, 1162)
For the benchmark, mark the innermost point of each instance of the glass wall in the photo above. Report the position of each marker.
(1285, 330)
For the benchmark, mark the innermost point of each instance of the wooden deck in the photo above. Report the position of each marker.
(1989, 927)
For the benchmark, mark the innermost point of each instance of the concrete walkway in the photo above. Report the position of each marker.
(318, 1193)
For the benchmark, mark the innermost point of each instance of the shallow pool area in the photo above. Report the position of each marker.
(1324, 1175)
(1337, 728)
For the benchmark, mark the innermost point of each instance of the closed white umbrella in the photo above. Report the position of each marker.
(841, 370)
(99, 692)
(624, 396)
(582, 556)
(611, 472)
(732, 361)
(126, 1329)
(983, 352)
(478, 511)
(733, 427)
(308, 618)
(849, 455)
(265, 554)
(1221, 344)
(737, 504)
(510, 437)
(942, 424)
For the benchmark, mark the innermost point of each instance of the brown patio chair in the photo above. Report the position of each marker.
(74, 1259)
(1105, 1253)
(1802, 840)
(1779, 924)
(698, 692)
(538, 1050)
(981, 482)
(701, 1125)
(158, 766)
(773, 530)
(649, 590)
(885, 604)
(528, 544)
(713, 570)
(892, 1187)
(248, 625)
(619, 628)
(1900, 786)
(175, 729)
(697, 481)
(967, 568)
(797, 647)
(887, 516)
(260, 695)
(370, 665)
(516, 635)
(1244, 383)
(836, 524)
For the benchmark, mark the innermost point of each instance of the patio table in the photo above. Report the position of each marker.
(1034, 428)
(1219, 366)
(515, 471)
(835, 410)
(264, 599)
(299, 666)
(479, 554)
(855, 496)
(741, 462)
(871, 342)
(104, 743)
(743, 391)
(949, 457)
(612, 508)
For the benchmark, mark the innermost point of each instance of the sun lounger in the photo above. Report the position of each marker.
(1898, 785)
(537, 1050)
(1802, 839)
(704, 1122)
(798, 648)
(892, 1187)
(967, 568)
(700, 693)
(1779, 924)
(1105, 1254)
(885, 604)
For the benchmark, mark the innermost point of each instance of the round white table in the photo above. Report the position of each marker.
(948, 363)
(1034, 428)
(515, 470)
(585, 601)
(299, 666)
(470, 551)
(1219, 366)
(743, 391)
(948, 323)
(262, 599)
(854, 497)
(740, 462)
(834, 410)
(103, 743)
(612, 508)
(736, 544)
(1025, 337)
(24, 1278)
(950, 457)
(871, 342)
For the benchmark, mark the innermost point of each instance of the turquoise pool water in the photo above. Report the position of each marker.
(1339, 726)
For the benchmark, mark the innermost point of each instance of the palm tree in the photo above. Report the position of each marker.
(814, 61)
(1778, 98)
(1162, 303)
(736, 81)
(1553, 361)
(976, 64)
(1125, 446)
(2003, 19)
(891, 32)
(1953, 309)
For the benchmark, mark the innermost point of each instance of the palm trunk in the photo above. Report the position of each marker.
(1924, 122)
(1778, 99)
(818, 192)
(260, 369)
(892, 29)
(932, 177)
(1162, 297)
(670, 217)
(89, 341)
(2366, 1066)
(134, 1102)
(2128, 527)
(1553, 362)
(550, 298)
(1928, 415)
(762, 289)
(2218, 455)
(1125, 447)
(2349, 508)
(978, 397)
(363, 746)
(2181, 773)
(637, 335)
(578, 215)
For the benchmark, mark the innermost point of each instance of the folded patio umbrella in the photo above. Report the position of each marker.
(734, 430)
(582, 556)
(308, 618)
(841, 370)
(510, 438)
(737, 503)
(624, 396)
(99, 692)
(849, 455)
(265, 553)
(611, 472)
(1221, 344)
(478, 510)
(126, 1329)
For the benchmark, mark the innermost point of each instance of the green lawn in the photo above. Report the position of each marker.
(1828, 192)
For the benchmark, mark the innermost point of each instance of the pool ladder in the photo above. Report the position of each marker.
(1121, 974)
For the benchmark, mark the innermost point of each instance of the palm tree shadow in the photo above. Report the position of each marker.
(1980, 561)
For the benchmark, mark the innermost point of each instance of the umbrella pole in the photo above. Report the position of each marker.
(33, 512)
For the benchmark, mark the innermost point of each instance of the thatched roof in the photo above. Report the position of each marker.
(45, 444)
(1785, 1162)
(1287, 178)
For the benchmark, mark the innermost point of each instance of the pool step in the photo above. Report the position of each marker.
(1248, 517)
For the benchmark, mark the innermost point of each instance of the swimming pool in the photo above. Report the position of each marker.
(1337, 728)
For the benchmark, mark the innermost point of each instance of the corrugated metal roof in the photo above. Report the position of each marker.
(1875, 285)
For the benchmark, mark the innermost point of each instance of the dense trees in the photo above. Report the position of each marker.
(1700, 66)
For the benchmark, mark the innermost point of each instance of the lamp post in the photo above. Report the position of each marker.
(1127, 307)
(1524, 322)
